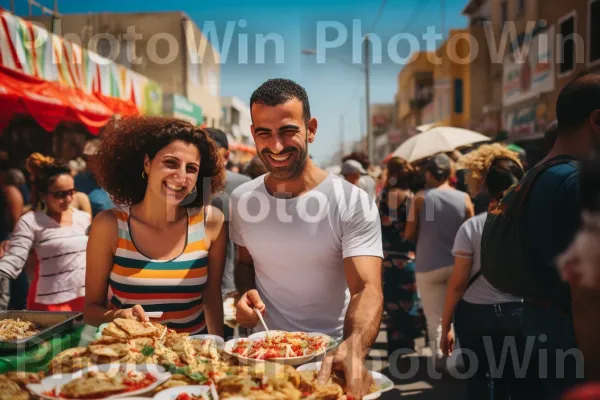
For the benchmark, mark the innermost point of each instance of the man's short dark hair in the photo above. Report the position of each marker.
(219, 137)
(576, 102)
(439, 166)
(277, 91)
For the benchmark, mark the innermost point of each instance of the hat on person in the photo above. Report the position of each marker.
(440, 166)
(219, 137)
(352, 167)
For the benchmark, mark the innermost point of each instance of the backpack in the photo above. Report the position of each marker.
(504, 262)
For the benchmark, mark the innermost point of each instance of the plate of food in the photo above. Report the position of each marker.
(107, 381)
(291, 348)
(190, 392)
(381, 383)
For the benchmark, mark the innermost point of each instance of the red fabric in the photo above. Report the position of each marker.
(76, 305)
(124, 108)
(50, 103)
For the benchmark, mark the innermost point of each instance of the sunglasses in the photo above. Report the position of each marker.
(63, 194)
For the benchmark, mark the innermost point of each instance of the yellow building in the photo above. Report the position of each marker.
(451, 83)
(415, 90)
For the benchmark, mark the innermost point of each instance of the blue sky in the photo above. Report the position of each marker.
(336, 87)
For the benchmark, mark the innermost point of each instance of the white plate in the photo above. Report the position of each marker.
(381, 381)
(219, 341)
(294, 361)
(57, 381)
(172, 393)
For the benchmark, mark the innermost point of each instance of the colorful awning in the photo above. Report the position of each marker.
(50, 103)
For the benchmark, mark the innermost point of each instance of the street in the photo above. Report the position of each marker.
(417, 385)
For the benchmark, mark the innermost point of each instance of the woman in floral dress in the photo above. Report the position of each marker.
(405, 320)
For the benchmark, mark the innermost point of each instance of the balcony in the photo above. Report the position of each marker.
(422, 97)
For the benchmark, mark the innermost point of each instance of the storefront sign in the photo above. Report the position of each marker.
(532, 75)
(185, 109)
(527, 122)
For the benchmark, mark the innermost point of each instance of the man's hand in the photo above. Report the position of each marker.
(349, 360)
(245, 314)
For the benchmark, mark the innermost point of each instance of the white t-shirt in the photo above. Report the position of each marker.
(298, 246)
(468, 240)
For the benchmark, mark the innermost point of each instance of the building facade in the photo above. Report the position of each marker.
(167, 47)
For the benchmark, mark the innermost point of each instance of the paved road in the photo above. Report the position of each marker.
(412, 378)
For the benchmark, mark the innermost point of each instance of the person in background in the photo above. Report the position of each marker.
(58, 234)
(80, 200)
(405, 320)
(478, 309)
(256, 168)
(162, 249)
(382, 181)
(365, 181)
(221, 201)
(434, 218)
(352, 171)
(13, 294)
(550, 219)
(85, 182)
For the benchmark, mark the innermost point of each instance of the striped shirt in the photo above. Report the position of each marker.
(60, 250)
(171, 286)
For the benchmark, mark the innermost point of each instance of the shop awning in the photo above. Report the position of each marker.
(49, 103)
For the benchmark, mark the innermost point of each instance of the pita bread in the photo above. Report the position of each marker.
(93, 386)
(113, 330)
(10, 390)
(135, 328)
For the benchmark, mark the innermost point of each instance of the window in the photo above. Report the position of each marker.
(504, 12)
(458, 96)
(520, 8)
(594, 32)
(566, 31)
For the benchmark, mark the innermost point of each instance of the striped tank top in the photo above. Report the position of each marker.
(171, 286)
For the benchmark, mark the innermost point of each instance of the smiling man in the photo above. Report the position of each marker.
(309, 255)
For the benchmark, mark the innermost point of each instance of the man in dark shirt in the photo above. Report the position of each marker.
(232, 181)
(550, 220)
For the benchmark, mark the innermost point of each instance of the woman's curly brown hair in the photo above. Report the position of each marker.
(120, 159)
(479, 161)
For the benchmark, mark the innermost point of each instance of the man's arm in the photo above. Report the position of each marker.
(244, 271)
(363, 317)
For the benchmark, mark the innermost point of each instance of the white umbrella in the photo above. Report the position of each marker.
(440, 139)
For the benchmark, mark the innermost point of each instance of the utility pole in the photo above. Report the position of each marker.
(342, 146)
(12, 6)
(443, 18)
(370, 142)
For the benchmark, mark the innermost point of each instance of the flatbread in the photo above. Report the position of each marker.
(134, 328)
(10, 390)
(93, 386)
(113, 330)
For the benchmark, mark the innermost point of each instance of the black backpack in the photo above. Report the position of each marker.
(504, 262)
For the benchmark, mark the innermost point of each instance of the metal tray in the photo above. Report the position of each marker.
(49, 324)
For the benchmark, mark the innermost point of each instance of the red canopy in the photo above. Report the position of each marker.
(49, 103)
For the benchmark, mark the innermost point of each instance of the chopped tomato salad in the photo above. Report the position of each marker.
(281, 345)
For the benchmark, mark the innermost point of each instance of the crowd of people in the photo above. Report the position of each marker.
(472, 249)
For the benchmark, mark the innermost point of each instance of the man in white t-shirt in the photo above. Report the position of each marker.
(309, 243)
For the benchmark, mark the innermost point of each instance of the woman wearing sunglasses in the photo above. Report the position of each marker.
(162, 248)
(57, 233)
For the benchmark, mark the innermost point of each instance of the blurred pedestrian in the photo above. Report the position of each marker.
(405, 319)
(85, 182)
(435, 216)
(365, 181)
(57, 233)
(256, 168)
(80, 200)
(221, 201)
(477, 308)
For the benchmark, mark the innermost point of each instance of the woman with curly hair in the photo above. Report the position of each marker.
(57, 233)
(478, 309)
(162, 248)
(405, 319)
